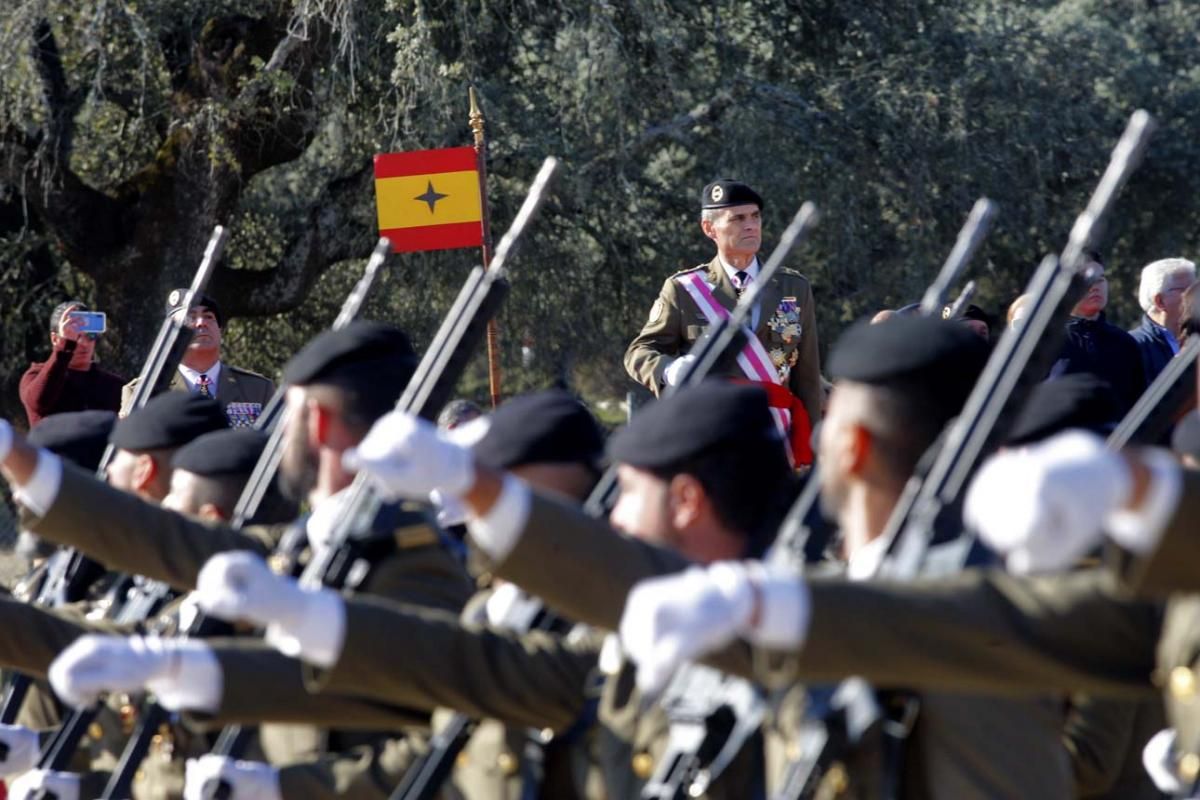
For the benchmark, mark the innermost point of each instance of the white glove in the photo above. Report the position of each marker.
(239, 585)
(63, 785)
(674, 370)
(677, 618)
(20, 747)
(6, 439)
(1045, 506)
(1158, 757)
(249, 780)
(407, 457)
(183, 673)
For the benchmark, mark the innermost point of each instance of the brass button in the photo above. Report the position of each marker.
(1183, 684)
(507, 763)
(1189, 767)
(643, 765)
(95, 731)
(462, 760)
(836, 781)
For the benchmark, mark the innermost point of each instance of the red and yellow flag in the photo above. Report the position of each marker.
(429, 199)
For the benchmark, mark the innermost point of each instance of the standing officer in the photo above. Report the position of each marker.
(782, 355)
(241, 393)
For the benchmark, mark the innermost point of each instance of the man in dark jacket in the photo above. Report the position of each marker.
(1161, 297)
(1093, 345)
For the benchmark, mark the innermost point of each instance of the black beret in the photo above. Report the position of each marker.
(362, 355)
(696, 420)
(1078, 400)
(227, 452)
(550, 427)
(936, 359)
(172, 419)
(177, 296)
(1186, 439)
(724, 193)
(80, 437)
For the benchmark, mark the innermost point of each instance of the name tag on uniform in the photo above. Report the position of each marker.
(242, 415)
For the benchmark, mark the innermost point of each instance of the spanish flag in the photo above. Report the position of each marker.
(429, 199)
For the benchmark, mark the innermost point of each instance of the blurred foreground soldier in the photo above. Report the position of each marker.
(1093, 345)
(241, 393)
(340, 383)
(1044, 506)
(69, 380)
(783, 355)
(975, 318)
(1185, 440)
(1161, 297)
(676, 461)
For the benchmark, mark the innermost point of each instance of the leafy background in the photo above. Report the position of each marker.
(127, 129)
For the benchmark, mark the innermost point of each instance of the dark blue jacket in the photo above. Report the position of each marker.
(1151, 339)
(1107, 352)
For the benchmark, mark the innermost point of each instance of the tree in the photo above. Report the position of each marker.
(129, 130)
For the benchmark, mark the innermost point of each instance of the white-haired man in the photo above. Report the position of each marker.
(1161, 296)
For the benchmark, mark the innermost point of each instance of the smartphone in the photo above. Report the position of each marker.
(93, 321)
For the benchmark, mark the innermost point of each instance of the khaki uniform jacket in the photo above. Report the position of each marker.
(962, 747)
(248, 390)
(787, 327)
(129, 535)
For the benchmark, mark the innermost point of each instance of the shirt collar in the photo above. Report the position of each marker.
(193, 377)
(751, 270)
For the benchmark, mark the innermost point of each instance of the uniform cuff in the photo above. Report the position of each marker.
(41, 490)
(194, 681)
(1139, 530)
(784, 607)
(497, 532)
(319, 632)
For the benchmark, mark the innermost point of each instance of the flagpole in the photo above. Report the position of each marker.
(493, 335)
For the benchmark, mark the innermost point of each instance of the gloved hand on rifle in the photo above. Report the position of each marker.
(19, 747)
(246, 780)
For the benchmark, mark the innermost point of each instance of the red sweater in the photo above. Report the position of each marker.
(49, 387)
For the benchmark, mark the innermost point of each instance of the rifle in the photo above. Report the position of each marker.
(148, 596)
(363, 524)
(1024, 354)
(68, 572)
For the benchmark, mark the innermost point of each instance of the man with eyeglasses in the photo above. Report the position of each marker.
(69, 380)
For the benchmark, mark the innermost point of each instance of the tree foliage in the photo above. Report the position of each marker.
(127, 129)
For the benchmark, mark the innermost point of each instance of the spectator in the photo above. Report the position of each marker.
(1161, 297)
(69, 380)
(1093, 345)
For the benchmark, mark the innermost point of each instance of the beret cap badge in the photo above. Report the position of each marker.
(717, 193)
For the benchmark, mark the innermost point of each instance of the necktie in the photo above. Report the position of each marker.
(202, 384)
(741, 279)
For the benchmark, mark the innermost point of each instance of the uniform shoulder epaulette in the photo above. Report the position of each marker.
(251, 373)
(686, 270)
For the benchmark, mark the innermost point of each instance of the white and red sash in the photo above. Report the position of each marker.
(756, 365)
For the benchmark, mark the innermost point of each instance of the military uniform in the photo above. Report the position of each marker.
(787, 327)
(242, 394)
(784, 321)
